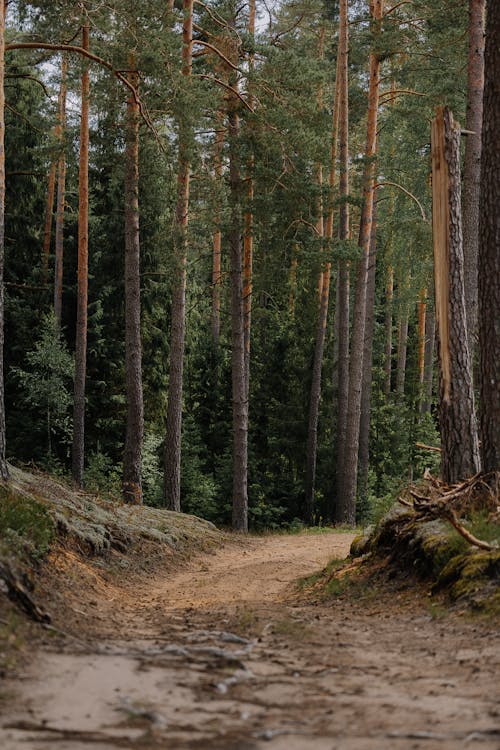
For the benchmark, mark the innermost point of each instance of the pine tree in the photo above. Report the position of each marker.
(78, 452)
(4, 472)
(489, 253)
(132, 488)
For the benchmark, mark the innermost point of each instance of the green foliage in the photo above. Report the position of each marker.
(102, 475)
(46, 383)
(26, 527)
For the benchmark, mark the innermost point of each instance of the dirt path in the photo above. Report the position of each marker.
(216, 656)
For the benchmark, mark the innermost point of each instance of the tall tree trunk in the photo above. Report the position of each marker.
(366, 386)
(78, 456)
(292, 281)
(132, 486)
(489, 249)
(346, 500)
(217, 236)
(324, 293)
(472, 164)
(430, 340)
(248, 222)
(4, 471)
(173, 430)
(389, 299)
(422, 314)
(239, 389)
(61, 193)
(49, 211)
(459, 440)
(402, 349)
(343, 286)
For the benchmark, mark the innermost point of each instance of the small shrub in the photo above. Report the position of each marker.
(26, 526)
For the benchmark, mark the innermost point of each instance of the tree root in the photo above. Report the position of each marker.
(19, 594)
(442, 501)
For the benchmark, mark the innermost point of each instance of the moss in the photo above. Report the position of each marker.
(26, 527)
(362, 544)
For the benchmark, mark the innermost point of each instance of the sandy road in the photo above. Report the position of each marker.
(216, 656)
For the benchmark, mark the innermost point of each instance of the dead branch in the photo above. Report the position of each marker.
(426, 447)
(452, 518)
(225, 86)
(444, 501)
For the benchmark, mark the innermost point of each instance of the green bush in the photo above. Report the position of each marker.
(26, 527)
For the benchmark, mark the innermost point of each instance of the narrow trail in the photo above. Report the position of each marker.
(219, 656)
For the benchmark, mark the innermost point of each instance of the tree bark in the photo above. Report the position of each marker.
(324, 293)
(489, 249)
(61, 194)
(343, 286)
(173, 430)
(248, 223)
(239, 389)
(346, 500)
(49, 211)
(389, 298)
(430, 340)
(472, 163)
(422, 314)
(459, 440)
(132, 485)
(366, 386)
(78, 455)
(402, 349)
(217, 236)
(4, 471)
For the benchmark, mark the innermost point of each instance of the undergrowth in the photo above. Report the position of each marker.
(26, 527)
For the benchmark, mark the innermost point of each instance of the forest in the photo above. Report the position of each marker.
(221, 235)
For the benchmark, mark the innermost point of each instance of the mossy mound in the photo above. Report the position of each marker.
(37, 508)
(434, 551)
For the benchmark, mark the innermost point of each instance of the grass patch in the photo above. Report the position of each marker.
(291, 628)
(26, 527)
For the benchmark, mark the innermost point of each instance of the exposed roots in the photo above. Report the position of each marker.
(450, 502)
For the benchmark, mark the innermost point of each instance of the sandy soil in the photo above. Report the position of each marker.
(223, 654)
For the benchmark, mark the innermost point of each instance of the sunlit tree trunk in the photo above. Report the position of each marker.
(78, 455)
(472, 164)
(61, 193)
(459, 439)
(4, 472)
(132, 488)
(346, 500)
(489, 249)
(173, 429)
(343, 283)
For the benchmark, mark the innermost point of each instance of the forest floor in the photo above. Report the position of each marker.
(225, 652)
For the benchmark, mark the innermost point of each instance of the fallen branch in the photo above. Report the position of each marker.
(452, 518)
(426, 447)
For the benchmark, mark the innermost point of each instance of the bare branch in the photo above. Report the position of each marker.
(226, 86)
(406, 192)
(218, 53)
